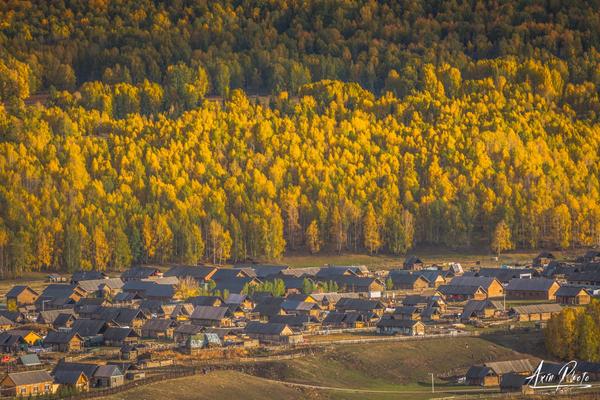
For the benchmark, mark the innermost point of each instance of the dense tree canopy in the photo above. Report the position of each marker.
(387, 125)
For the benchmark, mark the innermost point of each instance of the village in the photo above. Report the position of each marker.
(90, 331)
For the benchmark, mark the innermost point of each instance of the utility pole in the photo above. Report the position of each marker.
(432, 384)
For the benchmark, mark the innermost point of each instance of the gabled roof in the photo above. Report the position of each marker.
(94, 285)
(397, 323)
(50, 316)
(537, 308)
(160, 325)
(545, 254)
(235, 285)
(206, 301)
(88, 327)
(68, 377)
(354, 304)
(107, 371)
(504, 274)
(17, 290)
(87, 275)
(476, 306)
(5, 321)
(30, 377)
(533, 284)
(188, 329)
(459, 290)
(255, 327)
(571, 291)
(117, 334)
(30, 360)
(291, 320)
(210, 313)
(263, 270)
(224, 274)
(60, 337)
(407, 279)
(333, 272)
(483, 281)
(411, 260)
(295, 305)
(196, 272)
(235, 298)
(504, 367)
(87, 368)
(140, 272)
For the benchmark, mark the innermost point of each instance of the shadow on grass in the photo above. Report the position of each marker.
(529, 342)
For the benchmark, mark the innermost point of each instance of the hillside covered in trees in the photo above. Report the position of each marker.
(387, 125)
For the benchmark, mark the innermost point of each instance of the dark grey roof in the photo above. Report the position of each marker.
(353, 304)
(210, 313)
(87, 368)
(292, 320)
(504, 274)
(570, 291)
(30, 360)
(117, 334)
(18, 289)
(30, 377)
(478, 372)
(107, 371)
(397, 323)
(67, 377)
(533, 285)
(255, 327)
(459, 290)
(482, 281)
(158, 324)
(407, 279)
(235, 298)
(94, 285)
(88, 327)
(139, 272)
(537, 308)
(411, 260)
(188, 329)
(223, 274)
(197, 272)
(87, 275)
(59, 337)
(263, 270)
(205, 300)
(295, 305)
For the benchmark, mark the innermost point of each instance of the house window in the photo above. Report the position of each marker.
(23, 390)
(46, 387)
(35, 389)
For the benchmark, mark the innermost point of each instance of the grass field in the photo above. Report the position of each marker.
(401, 369)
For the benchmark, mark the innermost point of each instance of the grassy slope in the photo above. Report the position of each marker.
(402, 367)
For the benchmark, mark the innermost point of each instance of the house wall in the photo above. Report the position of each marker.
(8, 388)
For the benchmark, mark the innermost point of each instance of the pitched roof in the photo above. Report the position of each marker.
(17, 290)
(30, 360)
(291, 320)
(504, 367)
(59, 337)
(235, 298)
(196, 272)
(5, 321)
(504, 274)
(397, 323)
(210, 313)
(260, 328)
(263, 270)
(94, 285)
(106, 371)
(117, 334)
(295, 305)
(570, 291)
(530, 285)
(537, 308)
(459, 290)
(188, 329)
(87, 368)
(87, 275)
(88, 327)
(411, 260)
(68, 377)
(407, 279)
(158, 324)
(139, 272)
(346, 303)
(483, 281)
(30, 377)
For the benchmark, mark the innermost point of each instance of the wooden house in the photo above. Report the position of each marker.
(5, 323)
(591, 256)
(27, 383)
(361, 305)
(480, 309)
(117, 336)
(411, 313)
(272, 333)
(66, 342)
(543, 259)
(30, 337)
(535, 312)
(407, 327)
(139, 273)
(159, 328)
(20, 295)
(73, 380)
(408, 281)
(413, 263)
(462, 293)
(532, 289)
(573, 295)
(490, 374)
(492, 286)
(108, 376)
(211, 316)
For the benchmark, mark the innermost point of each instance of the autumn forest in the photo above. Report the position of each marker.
(187, 131)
